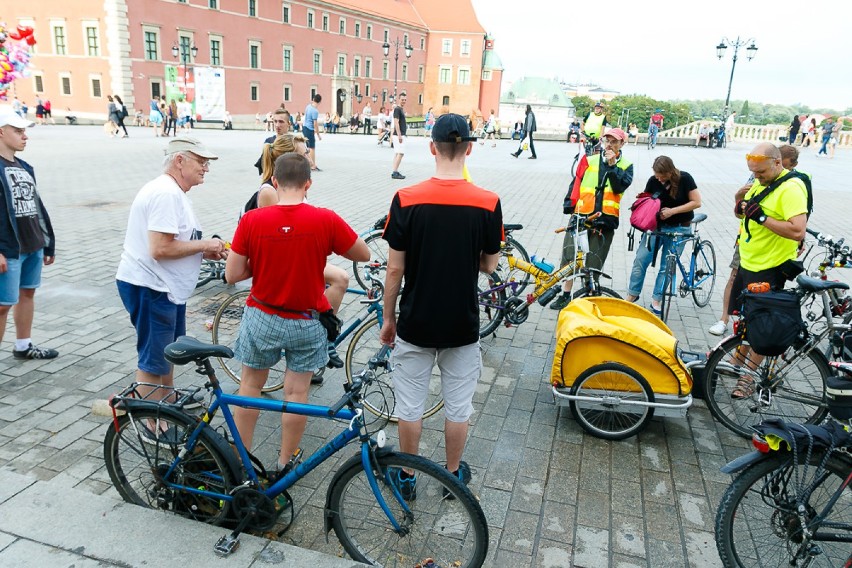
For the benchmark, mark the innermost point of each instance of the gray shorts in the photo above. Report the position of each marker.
(460, 368)
(265, 338)
(735, 260)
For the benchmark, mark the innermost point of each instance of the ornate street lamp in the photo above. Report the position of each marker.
(386, 49)
(183, 53)
(751, 51)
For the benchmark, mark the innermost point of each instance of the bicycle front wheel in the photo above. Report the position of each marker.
(210, 270)
(704, 279)
(668, 288)
(492, 303)
(379, 397)
(378, 253)
(145, 442)
(742, 389)
(439, 516)
(757, 523)
(226, 327)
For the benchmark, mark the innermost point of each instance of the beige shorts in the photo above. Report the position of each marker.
(398, 147)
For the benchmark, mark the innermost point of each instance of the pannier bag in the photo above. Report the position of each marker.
(773, 321)
(644, 212)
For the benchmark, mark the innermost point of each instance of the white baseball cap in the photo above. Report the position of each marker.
(11, 118)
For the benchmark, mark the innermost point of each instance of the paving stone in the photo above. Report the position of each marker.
(591, 547)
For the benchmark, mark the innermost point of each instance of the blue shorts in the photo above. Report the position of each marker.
(158, 322)
(22, 272)
(265, 338)
(310, 139)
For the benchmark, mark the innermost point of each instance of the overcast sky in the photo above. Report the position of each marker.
(667, 49)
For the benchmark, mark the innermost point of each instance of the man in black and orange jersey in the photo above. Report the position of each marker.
(442, 225)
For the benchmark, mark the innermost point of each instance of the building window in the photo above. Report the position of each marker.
(384, 70)
(447, 47)
(368, 68)
(445, 101)
(405, 39)
(422, 44)
(341, 65)
(342, 27)
(310, 19)
(387, 35)
(445, 75)
(152, 48)
(285, 14)
(38, 83)
(59, 40)
(288, 59)
(287, 92)
(405, 71)
(185, 45)
(92, 48)
(464, 76)
(465, 47)
(369, 31)
(357, 29)
(357, 68)
(325, 22)
(486, 74)
(367, 90)
(96, 87)
(156, 90)
(252, 8)
(254, 92)
(317, 63)
(213, 4)
(254, 56)
(65, 81)
(420, 72)
(215, 51)
(420, 99)
(313, 91)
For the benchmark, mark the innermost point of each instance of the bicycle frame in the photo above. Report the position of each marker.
(543, 280)
(688, 276)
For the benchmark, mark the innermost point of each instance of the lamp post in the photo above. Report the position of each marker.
(386, 49)
(627, 118)
(751, 51)
(183, 52)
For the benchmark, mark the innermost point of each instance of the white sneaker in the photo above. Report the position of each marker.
(718, 328)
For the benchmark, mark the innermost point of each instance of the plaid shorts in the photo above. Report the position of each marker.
(265, 338)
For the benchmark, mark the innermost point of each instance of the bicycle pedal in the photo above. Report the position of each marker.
(226, 545)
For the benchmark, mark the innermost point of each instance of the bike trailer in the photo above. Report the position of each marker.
(594, 332)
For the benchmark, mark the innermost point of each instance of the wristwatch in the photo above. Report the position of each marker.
(762, 219)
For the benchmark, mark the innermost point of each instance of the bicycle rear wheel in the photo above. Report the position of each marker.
(136, 459)
(226, 326)
(757, 522)
(521, 278)
(442, 520)
(796, 384)
(704, 279)
(210, 270)
(379, 397)
(378, 253)
(492, 303)
(668, 288)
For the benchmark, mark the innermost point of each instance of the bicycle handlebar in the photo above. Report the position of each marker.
(586, 222)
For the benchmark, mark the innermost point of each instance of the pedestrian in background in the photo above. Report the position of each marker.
(400, 128)
(309, 129)
(529, 129)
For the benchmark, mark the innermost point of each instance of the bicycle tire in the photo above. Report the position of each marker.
(668, 289)
(378, 253)
(754, 525)
(617, 419)
(451, 531)
(588, 292)
(379, 396)
(704, 263)
(209, 271)
(134, 465)
(799, 397)
(226, 325)
(522, 278)
(492, 303)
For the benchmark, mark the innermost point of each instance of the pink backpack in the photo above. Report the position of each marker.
(645, 211)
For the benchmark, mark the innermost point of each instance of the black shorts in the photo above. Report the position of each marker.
(745, 277)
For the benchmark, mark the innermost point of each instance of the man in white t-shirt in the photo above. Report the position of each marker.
(162, 256)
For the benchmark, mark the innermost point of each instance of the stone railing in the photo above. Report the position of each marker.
(749, 133)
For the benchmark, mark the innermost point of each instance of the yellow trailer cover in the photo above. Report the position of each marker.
(591, 331)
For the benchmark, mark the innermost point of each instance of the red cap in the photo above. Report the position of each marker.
(616, 133)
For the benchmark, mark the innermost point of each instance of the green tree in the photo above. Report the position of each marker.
(582, 106)
(744, 111)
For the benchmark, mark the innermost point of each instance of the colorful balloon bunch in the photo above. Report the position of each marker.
(14, 55)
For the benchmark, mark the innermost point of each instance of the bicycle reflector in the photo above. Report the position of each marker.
(760, 444)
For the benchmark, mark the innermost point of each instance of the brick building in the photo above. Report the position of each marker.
(249, 56)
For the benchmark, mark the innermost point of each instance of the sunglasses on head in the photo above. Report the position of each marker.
(757, 158)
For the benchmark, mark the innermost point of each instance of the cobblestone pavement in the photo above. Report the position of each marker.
(553, 495)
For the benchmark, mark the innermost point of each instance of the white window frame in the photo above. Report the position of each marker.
(341, 26)
(357, 30)
(368, 67)
(316, 69)
(259, 45)
(385, 70)
(286, 13)
(448, 69)
(62, 76)
(486, 74)
(156, 31)
(86, 24)
(99, 78)
(325, 20)
(58, 24)
(465, 43)
(369, 31)
(287, 92)
(466, 70)
(405, 71)
(447, 46)
(387, 35)
(286, 49)
(210, 39)
(36, 77)
(356, 66)
(311, 20)
(254, 85)
(340, 68)
(420, 73)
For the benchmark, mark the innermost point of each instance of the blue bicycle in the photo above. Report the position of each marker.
(160, 457)
(699, 279)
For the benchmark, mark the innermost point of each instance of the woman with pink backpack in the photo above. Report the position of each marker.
(679, 197)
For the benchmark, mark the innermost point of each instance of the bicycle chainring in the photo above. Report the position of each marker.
(248, 501)
(517, 311)
(683, 290)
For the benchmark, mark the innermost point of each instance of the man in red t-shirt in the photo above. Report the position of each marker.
(284, 248)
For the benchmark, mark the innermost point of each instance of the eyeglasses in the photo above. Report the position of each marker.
(201, 162)
(757, 158)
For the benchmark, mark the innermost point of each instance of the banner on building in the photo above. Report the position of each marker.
(180, 84)
(209, 104)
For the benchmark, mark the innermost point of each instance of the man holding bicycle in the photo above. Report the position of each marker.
(438, 321)
(600, 182)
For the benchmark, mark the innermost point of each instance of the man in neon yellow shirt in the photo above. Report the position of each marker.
(595, 123)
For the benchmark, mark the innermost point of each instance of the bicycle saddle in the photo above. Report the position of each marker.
(187, 349)
(512, 227)
(816, 285)
(699, 217)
